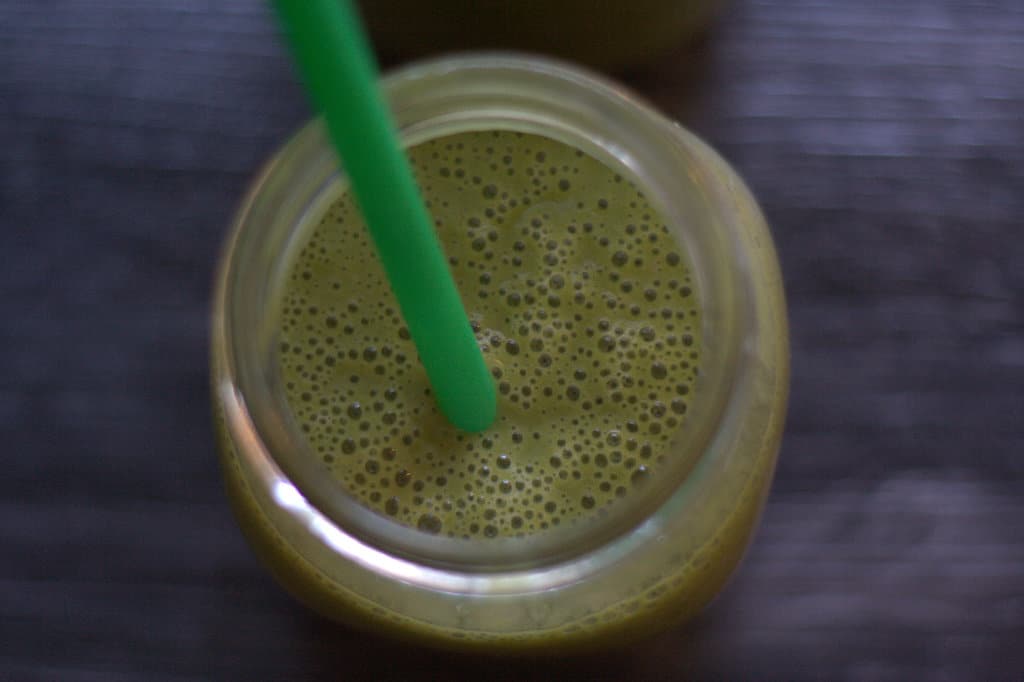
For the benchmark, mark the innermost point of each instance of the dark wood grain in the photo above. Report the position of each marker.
(885, 141)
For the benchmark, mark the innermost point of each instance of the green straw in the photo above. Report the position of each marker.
(335, 60)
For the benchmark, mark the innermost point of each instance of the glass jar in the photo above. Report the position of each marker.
(601, 34)
(656, 560)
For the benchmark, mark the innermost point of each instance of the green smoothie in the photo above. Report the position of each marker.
(637, 337)
(609, 34)
(582, 302)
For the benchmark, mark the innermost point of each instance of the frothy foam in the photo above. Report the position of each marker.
(582, 305)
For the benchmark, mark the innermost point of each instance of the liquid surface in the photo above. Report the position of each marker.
(582, 303)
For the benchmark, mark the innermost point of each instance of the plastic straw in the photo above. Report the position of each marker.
(334, 58)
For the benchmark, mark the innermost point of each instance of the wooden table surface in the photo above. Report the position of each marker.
(885, 141)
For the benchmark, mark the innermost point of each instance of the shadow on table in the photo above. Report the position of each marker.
(681, 84)
(678, 83)
(341, 651)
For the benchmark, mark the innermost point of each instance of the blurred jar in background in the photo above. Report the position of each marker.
(602, 33)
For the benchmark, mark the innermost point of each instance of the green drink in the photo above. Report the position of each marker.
(629, 306)
(602, 34)
(586, 314)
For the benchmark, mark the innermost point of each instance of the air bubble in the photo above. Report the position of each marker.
(428, 523)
